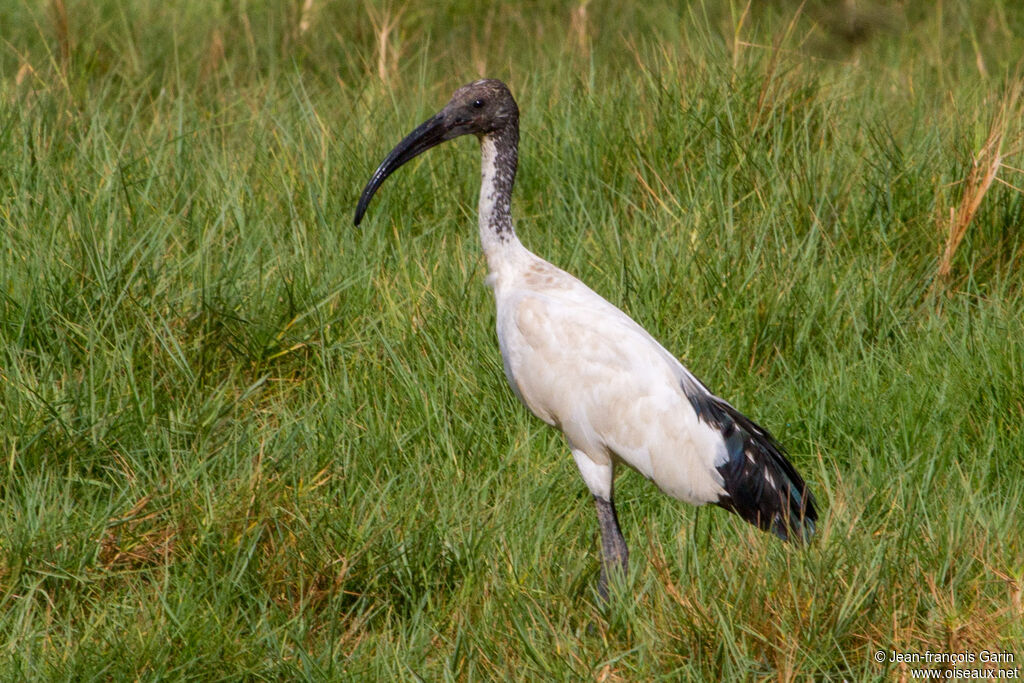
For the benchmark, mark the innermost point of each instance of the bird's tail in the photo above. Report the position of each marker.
(761, 485)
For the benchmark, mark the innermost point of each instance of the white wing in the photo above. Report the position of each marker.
(584, 366)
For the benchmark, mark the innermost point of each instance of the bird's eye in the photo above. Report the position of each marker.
(478, 104)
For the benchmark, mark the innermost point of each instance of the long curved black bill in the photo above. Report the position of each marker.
(430, 133)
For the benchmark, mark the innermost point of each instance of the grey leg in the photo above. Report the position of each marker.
(614, 554)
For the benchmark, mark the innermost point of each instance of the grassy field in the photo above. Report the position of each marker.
(241, 439)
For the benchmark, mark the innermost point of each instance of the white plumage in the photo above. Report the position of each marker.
(586, 368)
(583, 366)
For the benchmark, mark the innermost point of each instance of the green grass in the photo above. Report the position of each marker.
(241, 439)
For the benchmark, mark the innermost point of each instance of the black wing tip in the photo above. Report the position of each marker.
(761, 484)
(769, 494)
(795, 525)
(799, 525)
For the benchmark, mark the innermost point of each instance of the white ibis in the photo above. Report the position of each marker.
(586, 368)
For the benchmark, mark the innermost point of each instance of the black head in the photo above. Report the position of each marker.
(481, 108)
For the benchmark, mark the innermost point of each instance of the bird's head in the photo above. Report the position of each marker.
(479, 108)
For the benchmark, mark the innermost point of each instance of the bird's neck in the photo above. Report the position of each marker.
(499, 156)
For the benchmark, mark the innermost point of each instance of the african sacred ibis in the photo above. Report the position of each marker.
(585, 367)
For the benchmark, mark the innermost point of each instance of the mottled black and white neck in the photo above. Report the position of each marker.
(499, 153)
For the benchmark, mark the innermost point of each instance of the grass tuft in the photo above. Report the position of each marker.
(984, 170)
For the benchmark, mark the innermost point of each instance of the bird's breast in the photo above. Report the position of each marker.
(530, 367)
